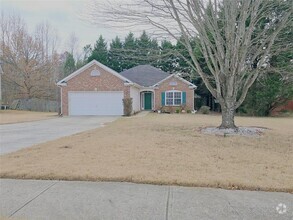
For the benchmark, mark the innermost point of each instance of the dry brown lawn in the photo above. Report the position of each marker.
(165, 149)
(14, 116)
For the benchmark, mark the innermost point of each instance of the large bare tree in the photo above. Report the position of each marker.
(235, 37)
(29, 60)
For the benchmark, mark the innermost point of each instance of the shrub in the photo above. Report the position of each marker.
(188, 111)
(177, 110)
(166, 109)
(204, 110)
(127, 106)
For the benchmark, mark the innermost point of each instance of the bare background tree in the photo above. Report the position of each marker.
(29, 61)
(73, 45)
(235, 37)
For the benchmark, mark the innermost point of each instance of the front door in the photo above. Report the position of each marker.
(148, 101)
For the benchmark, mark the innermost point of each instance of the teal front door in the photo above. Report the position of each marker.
(148, 101)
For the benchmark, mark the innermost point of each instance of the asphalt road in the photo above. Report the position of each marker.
(20, 135)
(41, 199)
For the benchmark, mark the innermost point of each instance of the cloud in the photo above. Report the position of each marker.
(43, 5)
(63, 15)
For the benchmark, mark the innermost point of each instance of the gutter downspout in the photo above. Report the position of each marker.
(61, 108)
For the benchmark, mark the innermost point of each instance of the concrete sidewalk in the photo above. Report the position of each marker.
(40, 199)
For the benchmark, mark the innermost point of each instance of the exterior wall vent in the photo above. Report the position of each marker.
(173, 83)
(95, 73)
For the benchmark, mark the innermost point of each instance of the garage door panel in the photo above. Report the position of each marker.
(95, 103)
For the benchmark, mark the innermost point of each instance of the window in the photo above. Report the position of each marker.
(173, 98)
(173, 83)
(95, 72)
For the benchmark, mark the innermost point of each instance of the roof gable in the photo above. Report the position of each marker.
(93, 62)
(191, 85)
(145, 75)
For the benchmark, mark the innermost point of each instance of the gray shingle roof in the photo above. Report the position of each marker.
(145, 75)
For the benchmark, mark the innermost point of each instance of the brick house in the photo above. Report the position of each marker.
(95, 89)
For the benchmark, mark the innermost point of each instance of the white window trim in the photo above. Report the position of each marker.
(173, 91)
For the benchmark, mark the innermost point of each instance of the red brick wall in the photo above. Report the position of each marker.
(288, 107)
(85, 82)
(181, 86)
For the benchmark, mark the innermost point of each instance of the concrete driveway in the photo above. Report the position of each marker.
(43, 199)
(20, 135)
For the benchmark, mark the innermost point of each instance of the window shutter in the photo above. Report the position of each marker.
(183, 98)
(163, 99)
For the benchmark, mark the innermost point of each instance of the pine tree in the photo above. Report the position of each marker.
(100, 51)
(115, 55)
(128, 55)
(69, 64)
(87, 51)
(167, 56)
(182, 59)
(147, 50)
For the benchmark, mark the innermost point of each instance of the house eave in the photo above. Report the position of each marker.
(133, 84)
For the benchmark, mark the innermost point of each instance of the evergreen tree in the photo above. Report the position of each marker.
(79, 63)
(182, 59)
(87, 51)
(128, 53)
(267, 93)
(274, 87)
(69, 64)
(143, 46)
(147, 51)
(100, 51)
(154, 53)
(167, 56)
(115, 57)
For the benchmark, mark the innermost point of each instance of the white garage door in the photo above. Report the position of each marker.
(95, 103)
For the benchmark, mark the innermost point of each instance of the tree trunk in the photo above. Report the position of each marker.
(228, 118)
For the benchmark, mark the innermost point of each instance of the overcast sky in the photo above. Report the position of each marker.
(63, 15)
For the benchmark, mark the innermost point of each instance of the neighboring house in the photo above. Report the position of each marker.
(95, 89)
(283, 108)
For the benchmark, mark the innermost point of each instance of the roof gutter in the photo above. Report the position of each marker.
(61, 83)
(133, 84)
